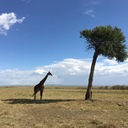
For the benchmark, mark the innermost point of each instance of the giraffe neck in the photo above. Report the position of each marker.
(43, 80)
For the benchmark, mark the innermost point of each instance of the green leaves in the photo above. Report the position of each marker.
(107, 41)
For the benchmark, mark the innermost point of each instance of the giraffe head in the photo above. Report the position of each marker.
(49, 73)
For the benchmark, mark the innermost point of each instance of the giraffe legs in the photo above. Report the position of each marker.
(36, 89)
(41, 93)
(34, 96)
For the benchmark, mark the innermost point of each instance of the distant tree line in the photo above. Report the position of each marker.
(114, 87)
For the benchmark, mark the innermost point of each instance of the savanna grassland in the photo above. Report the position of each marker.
(63, 107)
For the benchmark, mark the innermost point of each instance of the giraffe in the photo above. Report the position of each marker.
(40, 86)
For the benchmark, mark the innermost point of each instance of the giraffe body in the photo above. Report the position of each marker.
(40, 86)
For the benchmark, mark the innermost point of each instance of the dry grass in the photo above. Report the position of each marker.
(63, 107)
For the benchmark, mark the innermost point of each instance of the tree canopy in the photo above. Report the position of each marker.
(106, 41)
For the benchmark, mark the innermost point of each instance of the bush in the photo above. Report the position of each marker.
(120, 87)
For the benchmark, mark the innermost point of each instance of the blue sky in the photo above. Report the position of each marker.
(41, 35)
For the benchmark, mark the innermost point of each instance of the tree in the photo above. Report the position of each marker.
(107, 41)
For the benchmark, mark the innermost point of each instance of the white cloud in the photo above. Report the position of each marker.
(7, 20)
(89, 7)
(110, 62)
(90, 12)
(69, 72)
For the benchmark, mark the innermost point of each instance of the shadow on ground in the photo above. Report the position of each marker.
(31, 101)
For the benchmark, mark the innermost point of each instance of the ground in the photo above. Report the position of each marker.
(62, 107)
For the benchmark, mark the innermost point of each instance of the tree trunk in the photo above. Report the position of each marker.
(88, 95)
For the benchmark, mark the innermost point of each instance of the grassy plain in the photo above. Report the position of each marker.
(63, 107)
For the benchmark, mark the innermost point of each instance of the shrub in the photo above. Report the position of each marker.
(120, 87)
